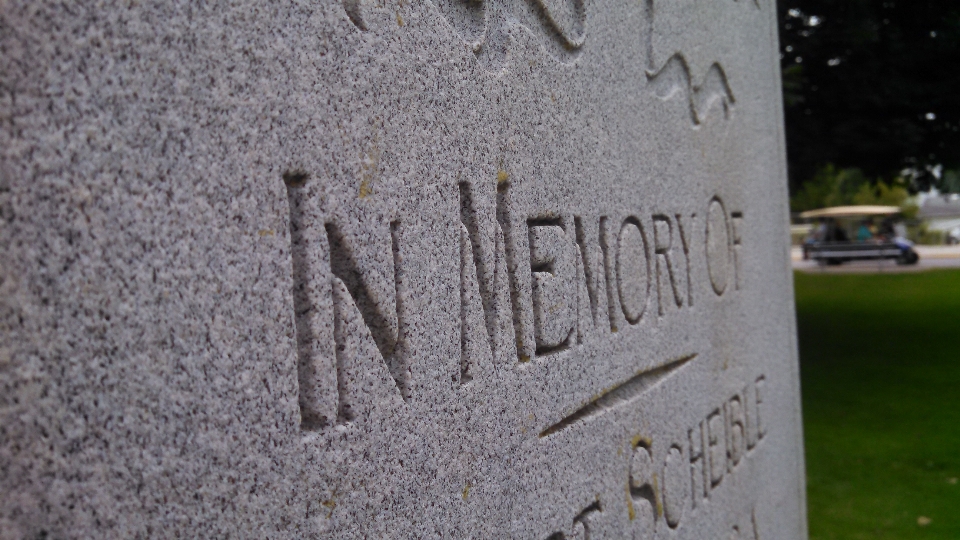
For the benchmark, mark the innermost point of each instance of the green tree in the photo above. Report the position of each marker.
(871, 84)
(832, 186)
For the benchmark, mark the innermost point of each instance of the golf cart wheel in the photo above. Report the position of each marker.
(908, 257)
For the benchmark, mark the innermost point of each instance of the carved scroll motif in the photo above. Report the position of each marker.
(489, 26)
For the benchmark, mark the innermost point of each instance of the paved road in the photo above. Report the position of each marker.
(930, 257)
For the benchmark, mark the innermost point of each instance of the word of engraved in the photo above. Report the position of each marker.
(690, 470)
(674, 77)
(565, 280)
(334, 307)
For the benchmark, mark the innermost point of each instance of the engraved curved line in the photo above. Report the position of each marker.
(675, 77)
(555, 29)
(352, 7)
(619, 395)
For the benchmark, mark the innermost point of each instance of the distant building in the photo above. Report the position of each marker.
(941, 212)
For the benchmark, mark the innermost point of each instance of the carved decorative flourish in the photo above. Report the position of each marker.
(675, 77)
(489, 26)
(626, 392)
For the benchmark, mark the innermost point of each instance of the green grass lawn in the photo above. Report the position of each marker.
(880, 369)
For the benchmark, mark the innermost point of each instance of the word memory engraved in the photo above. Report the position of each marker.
(579, 285)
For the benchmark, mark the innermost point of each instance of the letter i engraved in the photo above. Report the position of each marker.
(749, 416)
(736, 226)
(758, 386)
(316, 365)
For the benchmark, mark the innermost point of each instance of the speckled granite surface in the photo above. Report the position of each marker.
(390, 269)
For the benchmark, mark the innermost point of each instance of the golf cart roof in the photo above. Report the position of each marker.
(851, 211)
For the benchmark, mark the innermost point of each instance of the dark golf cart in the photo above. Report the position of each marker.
(856, 233)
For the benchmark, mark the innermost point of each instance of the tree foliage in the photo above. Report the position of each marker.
(831, 186)
(873, 85)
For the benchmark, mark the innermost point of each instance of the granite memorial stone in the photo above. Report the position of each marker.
(392, 269)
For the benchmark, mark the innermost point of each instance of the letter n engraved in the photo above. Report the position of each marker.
(327, 284)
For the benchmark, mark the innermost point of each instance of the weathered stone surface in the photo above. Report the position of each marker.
(382, 269)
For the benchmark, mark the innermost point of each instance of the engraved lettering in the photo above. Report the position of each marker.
(385, 327)
(525, 345)
(354, 12)
(643, 483)
(583, 524)
(608, 271)
(469, 295)
(718, 246)
(733, 410)
(736, 223)
(487, 318)
(316, 365)
(699, 483)
(685, 240)
(749, 416)
(633, 270)
(592, 283)
(663, 240)
(674, 486)
(758, 386)
(484, 277)
(553, 268)
(716, 450)
(324, 372)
